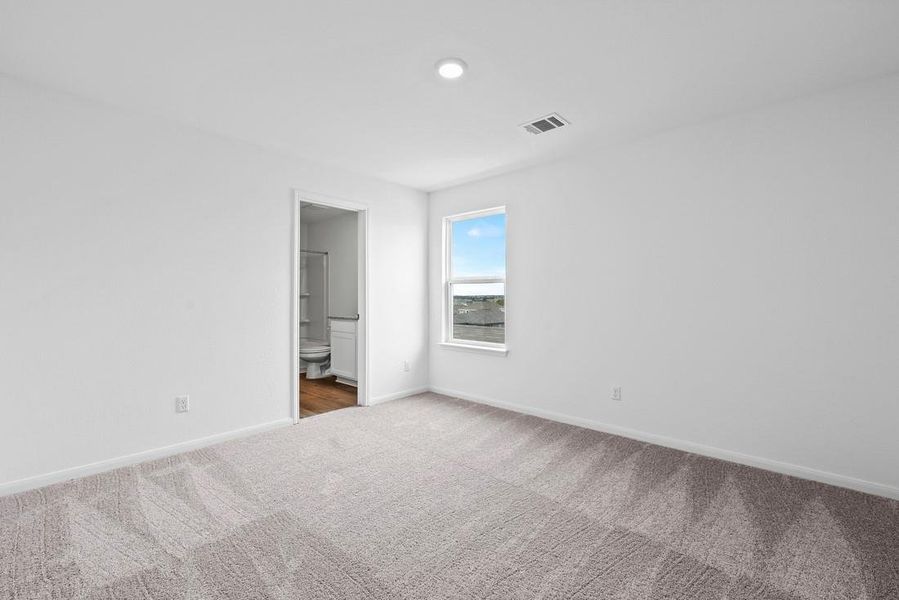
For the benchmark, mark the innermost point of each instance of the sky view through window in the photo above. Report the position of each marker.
(479, 250)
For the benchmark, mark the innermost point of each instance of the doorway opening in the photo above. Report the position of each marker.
(330, 297)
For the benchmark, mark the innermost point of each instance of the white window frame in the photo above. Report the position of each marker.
(449, 282)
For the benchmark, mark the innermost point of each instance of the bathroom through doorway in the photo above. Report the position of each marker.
(330, 295)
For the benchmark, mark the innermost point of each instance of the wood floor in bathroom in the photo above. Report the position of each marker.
(323, 395)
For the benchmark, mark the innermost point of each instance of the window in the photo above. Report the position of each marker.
(475, 280)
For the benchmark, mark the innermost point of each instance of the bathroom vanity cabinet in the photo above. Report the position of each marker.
(343, 349)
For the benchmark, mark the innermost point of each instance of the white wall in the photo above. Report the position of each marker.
(338, 236)
(739, 279)
(141, 260)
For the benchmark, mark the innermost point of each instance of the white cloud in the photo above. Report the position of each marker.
(489, 231)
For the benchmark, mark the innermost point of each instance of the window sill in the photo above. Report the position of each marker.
(475, 348)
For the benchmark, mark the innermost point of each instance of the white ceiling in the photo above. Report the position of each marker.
(351, 83)
(316, 213)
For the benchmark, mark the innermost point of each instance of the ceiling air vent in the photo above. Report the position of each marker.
(544, 124)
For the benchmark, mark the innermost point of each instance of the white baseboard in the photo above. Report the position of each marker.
(21, 485)
(869, 487)
(860, 485)
(398, 395)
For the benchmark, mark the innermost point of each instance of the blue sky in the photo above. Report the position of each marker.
(479, 249)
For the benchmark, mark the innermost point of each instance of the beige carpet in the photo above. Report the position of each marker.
(435, 498)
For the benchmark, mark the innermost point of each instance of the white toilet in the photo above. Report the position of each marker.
(316, 354)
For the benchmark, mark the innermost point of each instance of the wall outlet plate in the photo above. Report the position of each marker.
(616, 394)
(182, 404)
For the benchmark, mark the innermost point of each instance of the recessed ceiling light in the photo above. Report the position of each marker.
(451, 68)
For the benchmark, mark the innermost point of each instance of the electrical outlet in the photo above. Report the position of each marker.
(182, 404)
(616, 394)
(406, 365)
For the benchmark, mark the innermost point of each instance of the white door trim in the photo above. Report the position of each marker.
(362, 356)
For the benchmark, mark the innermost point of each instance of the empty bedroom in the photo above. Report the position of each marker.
(423, 300)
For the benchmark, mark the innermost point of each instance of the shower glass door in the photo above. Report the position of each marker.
(313, 295)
